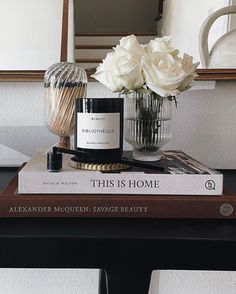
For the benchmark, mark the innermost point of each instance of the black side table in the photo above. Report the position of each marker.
(127, 250)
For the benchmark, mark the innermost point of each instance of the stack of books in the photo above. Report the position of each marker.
(186, 189)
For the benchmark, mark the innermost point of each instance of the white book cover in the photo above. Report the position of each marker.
(183, 176)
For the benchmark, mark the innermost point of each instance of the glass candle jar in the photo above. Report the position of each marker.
(99, 129)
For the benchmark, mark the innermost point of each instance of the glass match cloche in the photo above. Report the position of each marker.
(63, 83)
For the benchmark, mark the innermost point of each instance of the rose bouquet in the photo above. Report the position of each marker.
(150, 76)
(155, 67)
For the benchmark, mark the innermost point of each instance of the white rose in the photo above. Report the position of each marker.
(107, 73)
(189, 68)
(131, 44)
(162, 45)
(129, 66)
(120, 69)
(163, 73)
(129, 69)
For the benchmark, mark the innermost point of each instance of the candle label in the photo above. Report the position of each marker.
(98, 130)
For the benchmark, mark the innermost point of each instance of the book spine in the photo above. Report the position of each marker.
(121, 183)
(117, 208)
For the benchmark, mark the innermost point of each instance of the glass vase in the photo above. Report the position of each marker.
(147, 124)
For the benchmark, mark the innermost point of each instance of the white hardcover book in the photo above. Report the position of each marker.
(183, 176)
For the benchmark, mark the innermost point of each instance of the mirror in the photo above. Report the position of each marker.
(181, 19)
(35, 34)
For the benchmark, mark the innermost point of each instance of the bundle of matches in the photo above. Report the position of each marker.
(63, 83)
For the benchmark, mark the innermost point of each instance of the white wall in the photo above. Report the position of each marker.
(203, 124)
(48, 281)
(193, 282)
(71, 281)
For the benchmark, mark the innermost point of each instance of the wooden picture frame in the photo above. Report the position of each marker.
(216, 74)
(38, 75)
